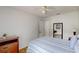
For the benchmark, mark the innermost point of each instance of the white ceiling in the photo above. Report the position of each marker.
(52, 10)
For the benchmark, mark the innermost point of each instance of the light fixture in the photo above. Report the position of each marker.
(44, 9)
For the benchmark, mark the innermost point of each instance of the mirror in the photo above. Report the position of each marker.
(58, 30)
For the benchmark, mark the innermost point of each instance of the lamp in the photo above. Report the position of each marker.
(74, 30)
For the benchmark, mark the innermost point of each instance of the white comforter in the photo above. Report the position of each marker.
(49, 45)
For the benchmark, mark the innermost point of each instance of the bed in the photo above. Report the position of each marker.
(49, 45)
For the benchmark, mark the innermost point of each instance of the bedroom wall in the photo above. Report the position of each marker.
(16, 22)
(70, 21)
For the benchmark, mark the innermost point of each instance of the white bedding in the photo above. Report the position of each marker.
(49, 45)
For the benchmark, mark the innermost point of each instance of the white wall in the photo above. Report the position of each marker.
(16, 22)
(70, 21)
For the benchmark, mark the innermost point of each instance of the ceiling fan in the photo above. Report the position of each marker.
(44, 9)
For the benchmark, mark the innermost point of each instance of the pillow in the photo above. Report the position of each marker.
(73, 42)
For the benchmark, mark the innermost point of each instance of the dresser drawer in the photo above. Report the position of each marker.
(9, 48)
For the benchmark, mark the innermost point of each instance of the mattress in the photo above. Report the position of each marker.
(49, 45)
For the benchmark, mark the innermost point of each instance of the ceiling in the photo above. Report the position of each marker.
(52, 10)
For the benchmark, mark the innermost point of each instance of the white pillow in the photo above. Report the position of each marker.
(73, 42)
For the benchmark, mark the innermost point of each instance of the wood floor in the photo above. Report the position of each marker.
(23, 50)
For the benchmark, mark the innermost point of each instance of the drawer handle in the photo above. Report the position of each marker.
(5, 47)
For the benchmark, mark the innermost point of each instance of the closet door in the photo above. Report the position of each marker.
(41, 28)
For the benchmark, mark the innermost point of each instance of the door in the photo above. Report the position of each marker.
(41, 28)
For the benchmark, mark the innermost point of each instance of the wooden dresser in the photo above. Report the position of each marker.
(9, 44)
